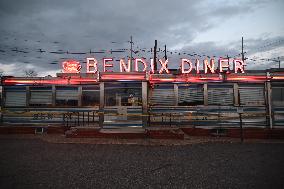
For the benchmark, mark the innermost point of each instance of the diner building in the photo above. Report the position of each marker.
(143, 100)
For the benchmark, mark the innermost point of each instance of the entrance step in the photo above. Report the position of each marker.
(123, 130)
(122, 125)
(126, 133)
(105, 133)
(165, 133)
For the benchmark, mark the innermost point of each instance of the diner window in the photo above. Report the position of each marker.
(220, 95)
(91, 95)
(67, 96)
(251, 94)
(123, 94)
(278, 96)
(190, 95)
(40, 96)
(15, 96)
(162, 95)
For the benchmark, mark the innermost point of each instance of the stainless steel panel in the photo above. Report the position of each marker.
(41, 97)
(252, 96)
(220, 96)
(67, 94)
(163, 97)
(15, 98)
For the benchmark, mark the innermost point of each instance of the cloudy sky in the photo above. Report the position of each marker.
(40, 34)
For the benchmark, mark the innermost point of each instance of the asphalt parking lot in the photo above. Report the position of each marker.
(34, 163)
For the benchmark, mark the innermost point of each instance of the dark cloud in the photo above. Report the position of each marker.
(78, 26)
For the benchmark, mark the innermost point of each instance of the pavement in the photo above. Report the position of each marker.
(188, 140)
(44, 161)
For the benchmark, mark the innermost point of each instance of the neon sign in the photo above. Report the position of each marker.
(71, 66)
(186, 66)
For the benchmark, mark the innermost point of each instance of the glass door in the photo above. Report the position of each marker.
(123, 104)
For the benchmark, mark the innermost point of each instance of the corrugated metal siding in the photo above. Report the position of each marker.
(220, 96)
(67, 94)
(278, 104)
(41, 97)
(208, 116)
(190, 95)
(51, 116)
(163, 96)
(252, 95)
(15, 98)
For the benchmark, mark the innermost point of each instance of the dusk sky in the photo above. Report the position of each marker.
(203, 27)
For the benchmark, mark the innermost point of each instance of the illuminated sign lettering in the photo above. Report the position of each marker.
(164, 66)
(71, 66)
(182, 65)
(105, 60)
(186, 66)
(137, 60)
(207, 65)
(223, 63)
(92, 65)
(123, 66)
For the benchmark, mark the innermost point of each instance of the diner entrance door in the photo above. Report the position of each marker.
(122, 104)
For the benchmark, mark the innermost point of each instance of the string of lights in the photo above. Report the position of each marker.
(140, 51)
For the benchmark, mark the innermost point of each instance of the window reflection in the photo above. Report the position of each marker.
(123, 94)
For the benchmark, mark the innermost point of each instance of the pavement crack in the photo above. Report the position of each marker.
(162, 167)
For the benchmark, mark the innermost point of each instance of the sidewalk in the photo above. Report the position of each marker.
(190, 140)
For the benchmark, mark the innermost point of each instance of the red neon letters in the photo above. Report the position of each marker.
(73, 66)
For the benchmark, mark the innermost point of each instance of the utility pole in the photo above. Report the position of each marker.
(228, 70)
(243, 57)
(166, 52)
(155, 57)
(131, 50)
(279, 62)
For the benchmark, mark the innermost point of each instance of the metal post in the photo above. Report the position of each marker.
(205, 93)
(241, 128)
(102, 104)
(53, 95)
(2, 103)
(166, 52)
(28, 96)
(269, 104)
(236, 94)
(131, 50)
(176, 94)
(144, 103)
(155, 57)
(243, 57)
(240, 110)
(80, 96)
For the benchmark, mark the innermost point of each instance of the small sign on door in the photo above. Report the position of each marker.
(240, 110)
